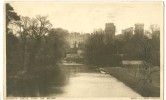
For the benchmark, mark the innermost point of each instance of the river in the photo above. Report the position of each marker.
(85, 81)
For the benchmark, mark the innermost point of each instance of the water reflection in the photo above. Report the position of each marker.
(84, 81)
(74, 80)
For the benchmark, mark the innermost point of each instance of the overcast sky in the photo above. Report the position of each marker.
(85, 17)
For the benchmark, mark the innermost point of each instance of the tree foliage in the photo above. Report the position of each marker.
(33, 50)
(123, 47)
(10, 15)
(100, 52)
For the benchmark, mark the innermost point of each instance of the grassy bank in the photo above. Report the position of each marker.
(146, 89)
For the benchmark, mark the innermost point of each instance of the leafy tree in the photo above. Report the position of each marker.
(155, 45)
(39, 27)
(99, 50)
(10, 15)
(12, 47)
(23, 34)
(56, 45)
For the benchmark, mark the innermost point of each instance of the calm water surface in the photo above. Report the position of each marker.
(84, 81)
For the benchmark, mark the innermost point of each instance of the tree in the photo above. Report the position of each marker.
(12, 47)
(56, 46)
(155, 45)
(23, 32)
(10, 15)
(99, 51)
(39, 27)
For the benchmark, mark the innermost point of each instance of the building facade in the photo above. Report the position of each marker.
(76, 39)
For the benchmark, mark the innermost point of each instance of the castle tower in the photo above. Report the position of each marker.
(139, 28)
(110, 29)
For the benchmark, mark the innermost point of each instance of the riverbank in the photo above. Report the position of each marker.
(146, 89)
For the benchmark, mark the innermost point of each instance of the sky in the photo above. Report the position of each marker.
(85, 17)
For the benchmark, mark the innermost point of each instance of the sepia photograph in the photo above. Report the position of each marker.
(83, 49)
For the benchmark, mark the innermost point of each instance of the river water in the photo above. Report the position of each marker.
(85, 81)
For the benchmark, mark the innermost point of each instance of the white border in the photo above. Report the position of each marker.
(1, 49)
(2, 27)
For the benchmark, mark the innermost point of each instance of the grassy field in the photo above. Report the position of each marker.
(136, 80)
